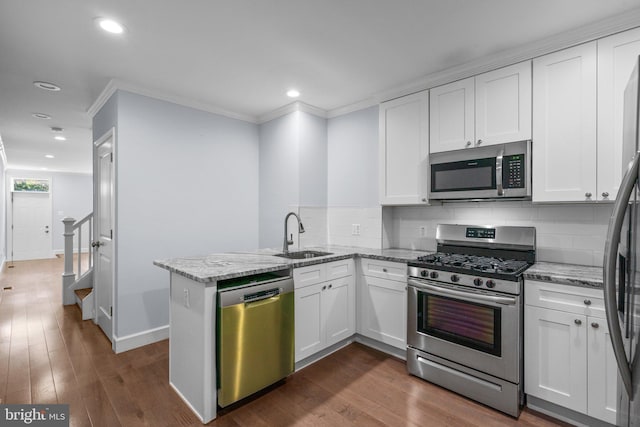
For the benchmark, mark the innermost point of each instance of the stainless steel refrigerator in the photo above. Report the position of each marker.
(622, 265)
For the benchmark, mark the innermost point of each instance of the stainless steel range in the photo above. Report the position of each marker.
(465, 315)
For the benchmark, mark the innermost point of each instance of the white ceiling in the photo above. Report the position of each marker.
(242, 55)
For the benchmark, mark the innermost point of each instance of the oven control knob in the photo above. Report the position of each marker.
(477, 281)
(455, 278)
(491, 284)
(434, 275)
(424, 273)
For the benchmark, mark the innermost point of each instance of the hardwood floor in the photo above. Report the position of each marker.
(49, 355)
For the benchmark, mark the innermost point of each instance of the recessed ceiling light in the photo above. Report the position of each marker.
(42, 116)
(47, 86)
(110, 26)
(59, 138)
(293, 93)
(56, 129)
(49, 156)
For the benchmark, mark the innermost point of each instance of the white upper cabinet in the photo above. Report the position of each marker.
(452, 116)
(490, 108)
(564, 125)
(503, 105)
(404, 150)
(617, 55)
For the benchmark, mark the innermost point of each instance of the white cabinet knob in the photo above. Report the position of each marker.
(587, 195)
(468, 143)
(605, 194)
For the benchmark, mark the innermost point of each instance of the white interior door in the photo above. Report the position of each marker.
(103, 244)
(31, 226)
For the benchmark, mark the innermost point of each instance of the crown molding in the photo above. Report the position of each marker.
(290, 108)
(526, 52)
(115, 84)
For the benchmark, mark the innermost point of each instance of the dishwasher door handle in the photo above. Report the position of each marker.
(262, 301)
(259, 296)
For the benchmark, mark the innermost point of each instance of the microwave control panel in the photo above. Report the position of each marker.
(513, 171)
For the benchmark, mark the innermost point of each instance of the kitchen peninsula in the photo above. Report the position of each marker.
(193, 288)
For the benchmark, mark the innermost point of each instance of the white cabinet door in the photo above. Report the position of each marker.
(339, 303)
(384, 311)
(555, 351)
(564, 125)
(451, 111)
(404, 150)
(503, 105)
(602, 372)
(309, 326)
(617, 55)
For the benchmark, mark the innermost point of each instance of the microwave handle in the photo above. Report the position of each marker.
(499, 172)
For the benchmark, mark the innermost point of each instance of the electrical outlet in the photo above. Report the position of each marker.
(355, 229)
(186, 298)
(423, 231)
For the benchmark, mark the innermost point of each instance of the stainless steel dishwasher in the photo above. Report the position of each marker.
(255, 341)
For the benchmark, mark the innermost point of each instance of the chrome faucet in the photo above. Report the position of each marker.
(289, 241)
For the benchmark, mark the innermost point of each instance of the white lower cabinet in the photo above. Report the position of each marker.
(324, 310)
(383, 302)
(569, 360)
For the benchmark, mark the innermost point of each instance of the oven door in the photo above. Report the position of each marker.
(472, 327)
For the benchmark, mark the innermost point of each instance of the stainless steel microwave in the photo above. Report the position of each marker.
(501, 171)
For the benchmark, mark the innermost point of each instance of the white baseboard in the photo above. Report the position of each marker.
(129, 342)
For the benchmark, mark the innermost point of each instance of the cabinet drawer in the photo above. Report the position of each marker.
(336, 269)
(384, 269)
(309, 275)
(571, 299)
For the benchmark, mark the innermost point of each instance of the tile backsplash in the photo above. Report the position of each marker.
(345, 226)
(569, 233)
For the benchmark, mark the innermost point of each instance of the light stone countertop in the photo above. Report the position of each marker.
(214, 267)
(566, 274)
(229, 265)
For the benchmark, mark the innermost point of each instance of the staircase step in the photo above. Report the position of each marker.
(82, 293)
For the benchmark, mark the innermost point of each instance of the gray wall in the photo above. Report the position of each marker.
(187, 184)
(313, 160)
(106, 118)
(353, 159)
(3, 213)
(293, 171)
(72, 197)
(279, 171)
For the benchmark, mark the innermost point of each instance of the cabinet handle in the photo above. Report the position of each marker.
(578, 322)
(324, 287)
(605, 194)
(424, 199)
(330, 286)
(587, 302)
(479, 142)
(384, 270)
(468, 143)
(587, 195)
(595, 325)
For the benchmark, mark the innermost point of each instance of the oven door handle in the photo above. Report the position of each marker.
(469, 296)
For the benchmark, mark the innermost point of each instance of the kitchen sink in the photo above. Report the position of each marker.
(303, 254)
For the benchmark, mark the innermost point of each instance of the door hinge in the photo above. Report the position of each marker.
(111, 235)
(111, 154)
(110, 311)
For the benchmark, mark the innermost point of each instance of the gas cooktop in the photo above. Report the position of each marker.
(471, 263)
